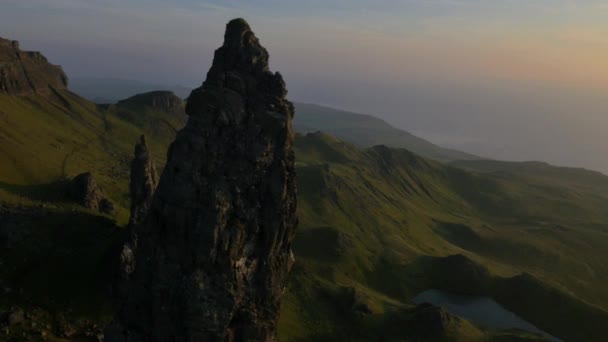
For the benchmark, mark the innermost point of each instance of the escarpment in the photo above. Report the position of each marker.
(27, 72)
(214, 251)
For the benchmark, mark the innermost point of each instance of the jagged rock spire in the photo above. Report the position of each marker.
(142, 186)
(144, 180)
(215, 250)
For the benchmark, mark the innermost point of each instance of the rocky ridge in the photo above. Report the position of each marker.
(27, 72)
(215, 250)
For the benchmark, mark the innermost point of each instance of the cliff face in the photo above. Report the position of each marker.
(27, 72)
(215, 250)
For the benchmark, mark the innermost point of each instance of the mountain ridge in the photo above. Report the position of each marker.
(367, 130)
(311, 119)
(27, 72)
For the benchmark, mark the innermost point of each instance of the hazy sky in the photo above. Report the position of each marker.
(510, 79)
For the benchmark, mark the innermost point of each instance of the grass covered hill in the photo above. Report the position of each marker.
(360, 129)
(385, 222)
(377, 226)
(365, 131)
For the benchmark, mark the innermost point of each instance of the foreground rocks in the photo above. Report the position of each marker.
(27, 72)
(84, 190)
(214, 251)
(39, 325)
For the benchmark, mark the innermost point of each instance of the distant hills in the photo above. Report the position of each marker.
(365, 131)
(112, 90)
(378, 225)
(360, 129)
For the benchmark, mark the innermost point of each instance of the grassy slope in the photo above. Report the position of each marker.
(399, 214)
(366, 130)
(47, 140)
(55, 254)
(375, 226)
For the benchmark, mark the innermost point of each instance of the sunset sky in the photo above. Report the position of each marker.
(511, 79)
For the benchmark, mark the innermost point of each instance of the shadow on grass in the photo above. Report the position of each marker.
(59, 260)
(48, 192)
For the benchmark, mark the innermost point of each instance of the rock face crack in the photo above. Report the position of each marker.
(214, 250)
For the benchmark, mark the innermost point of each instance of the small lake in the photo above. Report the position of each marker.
(482, 311)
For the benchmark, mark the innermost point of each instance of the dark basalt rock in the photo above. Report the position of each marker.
(144, 180)
(27, 72)
(214, 252)
(84, 190)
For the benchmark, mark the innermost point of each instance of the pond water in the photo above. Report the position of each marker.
(483, 311)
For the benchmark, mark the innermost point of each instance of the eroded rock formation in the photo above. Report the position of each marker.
(84, 190)
(27, 72)
(144, 180)
(215, 250)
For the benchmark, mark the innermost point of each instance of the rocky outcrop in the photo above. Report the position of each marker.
(27, 72)
(215, 250)
(161, 100)
(84, 190)
(144, 180)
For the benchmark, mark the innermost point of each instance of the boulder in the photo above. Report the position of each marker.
(84, 190)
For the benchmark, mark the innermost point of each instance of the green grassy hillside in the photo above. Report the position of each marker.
(57, 258)
(382, 221)
(48, 139)
(366, 131)
(112, 90)
(377, 226)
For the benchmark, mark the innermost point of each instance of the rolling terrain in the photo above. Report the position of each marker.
(378, 225)
(360, 129)
(112, 90)
(366, 131)
(390, 224)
